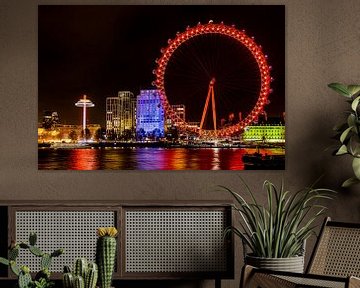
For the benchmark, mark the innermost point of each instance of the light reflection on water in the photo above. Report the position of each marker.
(146, 158)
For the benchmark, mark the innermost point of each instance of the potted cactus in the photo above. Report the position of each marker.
(42, 278)
(106, 254)
(84, 275)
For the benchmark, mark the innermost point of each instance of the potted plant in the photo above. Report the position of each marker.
(42, 278)
(276, 233)
(349, 132)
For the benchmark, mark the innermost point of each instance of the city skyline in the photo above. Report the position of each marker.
(95, 61)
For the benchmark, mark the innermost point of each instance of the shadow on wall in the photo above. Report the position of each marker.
(316, 150)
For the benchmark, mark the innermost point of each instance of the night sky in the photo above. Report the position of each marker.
(100, 50)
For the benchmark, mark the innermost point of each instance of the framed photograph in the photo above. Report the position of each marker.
(161, 87)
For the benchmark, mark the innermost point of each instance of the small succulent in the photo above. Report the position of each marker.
(349, 132)
(42, 283)
(42, 278)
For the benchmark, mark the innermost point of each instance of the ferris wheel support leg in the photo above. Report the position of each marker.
(213, 108)
(205, 109)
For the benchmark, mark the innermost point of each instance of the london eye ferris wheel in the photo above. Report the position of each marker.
(216, 70)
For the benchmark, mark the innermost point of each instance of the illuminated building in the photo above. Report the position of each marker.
(127, 109)
(179, 111)
(120, 114)
(150, 115)
(113, 116)
(66, 133)
(50, 119)
(264, 133)
(194, 125)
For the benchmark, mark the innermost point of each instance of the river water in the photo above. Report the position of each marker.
(146, 158)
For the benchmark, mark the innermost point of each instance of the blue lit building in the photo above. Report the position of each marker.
(150, 115)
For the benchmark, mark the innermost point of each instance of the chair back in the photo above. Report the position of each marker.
(337, 251)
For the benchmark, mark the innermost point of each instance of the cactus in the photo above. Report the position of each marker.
(80, 268)
(13, 253)
(68, 280)
(36, 251)
(57, 252)
(32, 238)
(88, 273)
(45, 261)
(4, 261)
(42, 278)
(67, 269)
(91, 276)
(79, 282)
(14, 268)
(105, 254)
(24, 280)
(43, 274)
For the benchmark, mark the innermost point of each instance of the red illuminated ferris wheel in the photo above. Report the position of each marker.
(241, 39)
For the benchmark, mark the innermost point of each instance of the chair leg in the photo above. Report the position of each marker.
(246, 273)
(217, 283)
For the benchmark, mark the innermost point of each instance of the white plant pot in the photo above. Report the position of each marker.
(291, 264)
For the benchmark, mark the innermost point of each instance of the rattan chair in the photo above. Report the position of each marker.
(334, 263)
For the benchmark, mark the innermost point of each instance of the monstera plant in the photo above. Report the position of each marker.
(349, 132)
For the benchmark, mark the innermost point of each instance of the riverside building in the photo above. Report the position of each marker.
(121, 115)
(150, 115)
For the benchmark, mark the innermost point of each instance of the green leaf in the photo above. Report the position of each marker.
(345, 134)
(349, 182)
(351, 120)
(4, 261)
(355, 103)
(342, 150)
(353, 145)
(14, 268)
(340, 88)
(353, 89)
(356, 167)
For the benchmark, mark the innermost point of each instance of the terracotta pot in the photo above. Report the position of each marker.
(291, 264)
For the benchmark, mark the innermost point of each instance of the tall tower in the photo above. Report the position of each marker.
(84, 103)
